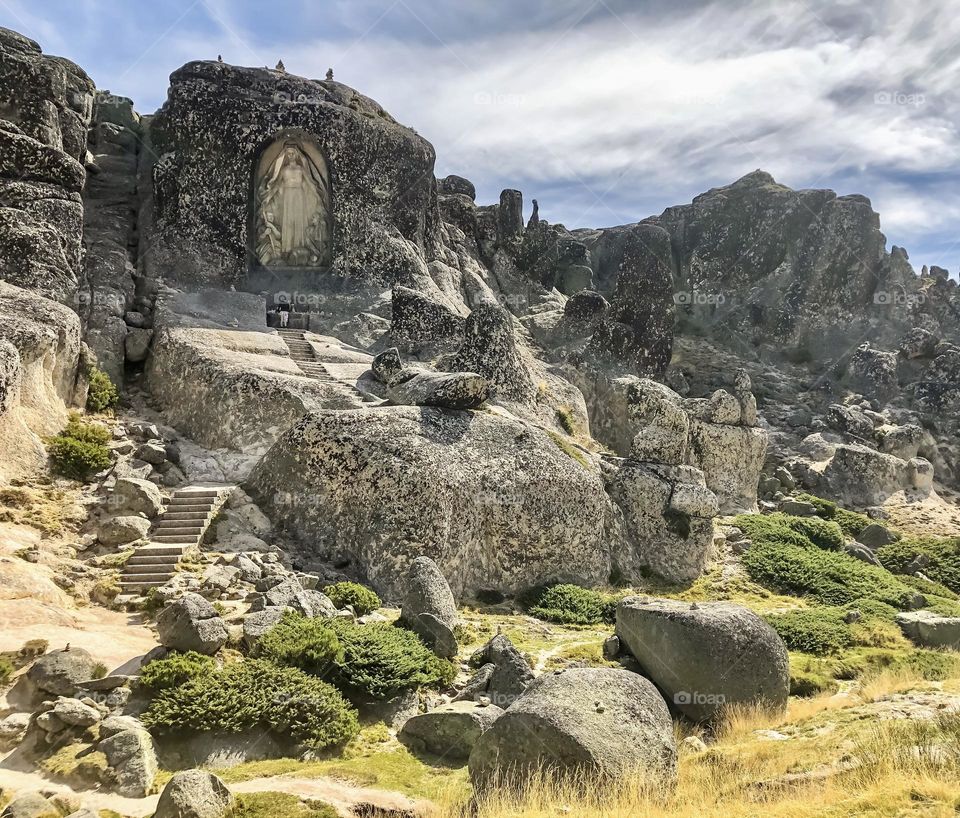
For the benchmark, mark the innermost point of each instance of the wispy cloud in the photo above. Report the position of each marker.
(603, 111)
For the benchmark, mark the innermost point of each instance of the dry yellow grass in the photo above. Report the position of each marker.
(889, 769)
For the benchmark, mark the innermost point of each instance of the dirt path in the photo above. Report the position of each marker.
(339, 794)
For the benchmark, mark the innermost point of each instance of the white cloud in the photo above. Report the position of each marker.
(637, 107)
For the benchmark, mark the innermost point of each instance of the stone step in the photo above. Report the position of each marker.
(198, 494)
(139, 586)
(159, 577)
(158, 550)
(177, 539)
(159, 559)
(197, 525)
(185, 515)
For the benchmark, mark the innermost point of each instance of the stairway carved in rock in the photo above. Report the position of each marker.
(178, 528)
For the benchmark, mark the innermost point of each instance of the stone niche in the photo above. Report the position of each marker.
(360, 186)
(292, 214)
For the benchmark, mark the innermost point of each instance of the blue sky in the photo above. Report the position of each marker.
(606, 111)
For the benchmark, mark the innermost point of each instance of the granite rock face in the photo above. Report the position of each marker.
(215, 124)
(47, 106)
(705, 656)
(599, 722)
(494, 501)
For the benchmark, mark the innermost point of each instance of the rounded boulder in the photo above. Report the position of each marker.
(706, 656)
(600, 722)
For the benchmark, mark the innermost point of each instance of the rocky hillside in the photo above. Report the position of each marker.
(376, 500)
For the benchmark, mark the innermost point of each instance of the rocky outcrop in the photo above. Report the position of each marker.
(228, 386)
(194, 794)
(206, 144)
(450, 731)
(60, 672)
(191, 623)
(115, 314)
(705, 656)
(429, 609)
(638, 330)
(598, 722)
(493, 501)
(43, 144)
(41, 375)
(502, 676)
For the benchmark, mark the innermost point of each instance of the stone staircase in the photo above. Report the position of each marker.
(302, 354)
(176, 530)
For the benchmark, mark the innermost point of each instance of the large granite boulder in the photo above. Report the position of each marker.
(930, 630)
(429, 609)
(191, 623)
(705, 656)
(503, 673)
(136, 496)
(493, 501)
(451, 731)
(419, 320)
(206, 147)
(638, 330)
(133, 760)
(43, 142)
(447, 390)
(122, 530)
(597, 722)
(195, 794)
(61, 672)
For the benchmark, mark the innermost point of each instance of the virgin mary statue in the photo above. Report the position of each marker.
(293, 206)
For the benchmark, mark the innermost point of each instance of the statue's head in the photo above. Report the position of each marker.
(291, 153)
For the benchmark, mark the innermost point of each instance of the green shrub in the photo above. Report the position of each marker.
(852, 522)
(175, 670)
(807, 683)
(256, 694)
(873, 609)
(100, 670)
(381, 660)
(826, 509)
(927, 587)
(943, 553)
(86, 432)
(818, 631)
(6, 670)
(295, 641)
(362, 599)
(279, 805)
(573, 605)
(822, 533)
(941, 605)
(102, 394)
(788, 562)
(75, 459)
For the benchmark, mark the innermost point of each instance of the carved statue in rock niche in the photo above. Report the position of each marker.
(293, 210)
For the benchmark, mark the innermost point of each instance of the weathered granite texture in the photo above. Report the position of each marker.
(207, 137)
(494, 501)
(45, 108)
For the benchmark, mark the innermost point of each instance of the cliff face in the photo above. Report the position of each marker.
(207, 138)
(45, 108)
